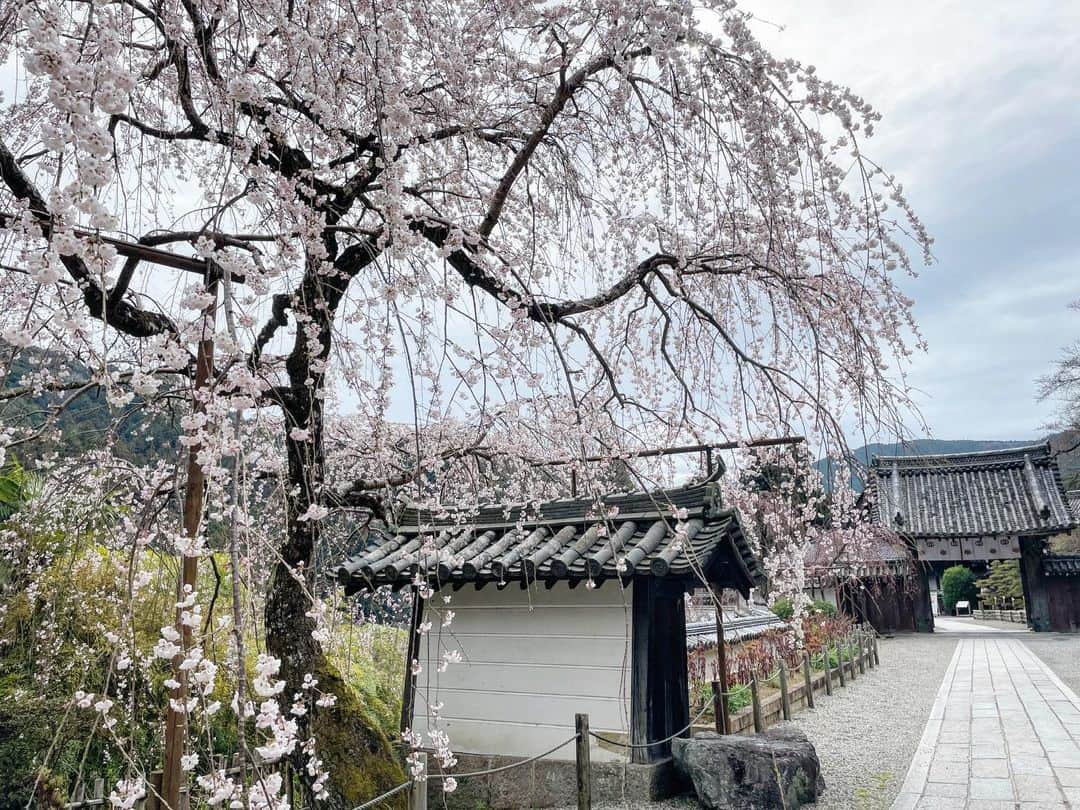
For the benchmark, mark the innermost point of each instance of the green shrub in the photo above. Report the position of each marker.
(783, 608)
(824, 607)
(958, 585)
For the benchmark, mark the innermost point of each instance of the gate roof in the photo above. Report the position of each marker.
(680, 533)
(1016, 491)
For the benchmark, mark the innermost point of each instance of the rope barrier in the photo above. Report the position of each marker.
(469, 775)
(670, 737)
(384, 797)
(501, 768)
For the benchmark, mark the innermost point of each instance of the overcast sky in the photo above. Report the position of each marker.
(981, 106)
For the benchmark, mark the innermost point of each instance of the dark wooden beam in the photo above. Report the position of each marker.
(659, 689)
(408, 692)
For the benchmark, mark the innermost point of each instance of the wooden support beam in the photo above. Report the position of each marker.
(135, 250)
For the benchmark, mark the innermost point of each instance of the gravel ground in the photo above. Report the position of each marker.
(866, 734)
(1059, 652)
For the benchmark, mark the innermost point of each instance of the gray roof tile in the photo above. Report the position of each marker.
(1013, 491)
(626, 535)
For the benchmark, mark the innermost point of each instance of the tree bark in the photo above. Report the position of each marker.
(358, 756)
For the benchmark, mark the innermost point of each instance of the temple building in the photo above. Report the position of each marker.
(571, 606)
(971, 508)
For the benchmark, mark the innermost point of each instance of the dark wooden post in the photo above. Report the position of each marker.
(194, 493)
(418, 791)
(408, 690)
(1036, 598)
(808, 680)
(851, 656)
(659, 691)
(718, 699)
(153, 791)
(877, 660)
(924, 614)
(840, 662)
(721, 661)
(755, 700)
(862, 652)
(785, 698)
(584, 767)
(828, 669)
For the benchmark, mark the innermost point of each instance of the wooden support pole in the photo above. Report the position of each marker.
(718, 698)
(755, 699)
(721, 661)
(584, 768)
(808, 680)
(418, 791)
(785, 697)
(840, 661)
(194, 492)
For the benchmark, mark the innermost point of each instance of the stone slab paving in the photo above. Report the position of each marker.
(1004, 732)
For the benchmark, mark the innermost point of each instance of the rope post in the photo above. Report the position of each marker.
(860, 639)
(827, 668)
(719, 700)
(851, 655)
(418, 791)
(785, 698)
(721, 660)
(808, 680)
(584, 768)
(877, 660)
(840, 661)
(755, 699)
(869, 648)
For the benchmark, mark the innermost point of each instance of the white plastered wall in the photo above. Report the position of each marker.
(531, 659)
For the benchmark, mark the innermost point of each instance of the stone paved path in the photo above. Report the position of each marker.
(1004, 732)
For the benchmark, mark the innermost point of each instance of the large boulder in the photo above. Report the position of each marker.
(778, 768)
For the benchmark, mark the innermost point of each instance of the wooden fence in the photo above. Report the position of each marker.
(1019, 616)
(796, 689)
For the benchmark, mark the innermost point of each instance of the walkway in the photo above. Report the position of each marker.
(1004, 732)
(967, 625)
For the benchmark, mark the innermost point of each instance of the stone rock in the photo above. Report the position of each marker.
(778, 768)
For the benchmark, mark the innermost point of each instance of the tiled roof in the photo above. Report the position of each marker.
(1013, 491)
(1073, 496)
(1062, 565)
(736, 628)
(668, 533)
(889, 549)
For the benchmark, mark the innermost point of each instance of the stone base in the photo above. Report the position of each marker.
(553, 783)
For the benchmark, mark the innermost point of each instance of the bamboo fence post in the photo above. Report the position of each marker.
(418, 791)
(840, 661)
(584, 767)
(755, 699)
(785, 699)
(808, 680)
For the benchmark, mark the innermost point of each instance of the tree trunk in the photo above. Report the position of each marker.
(356, 753)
